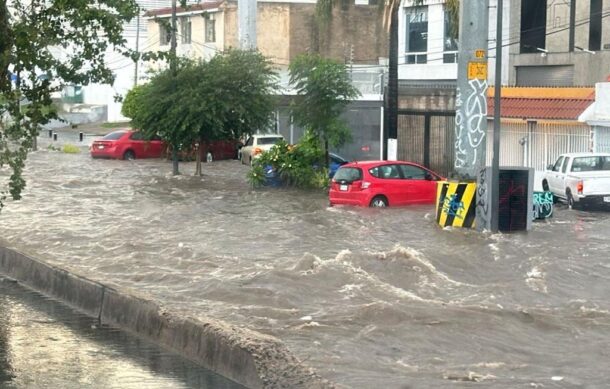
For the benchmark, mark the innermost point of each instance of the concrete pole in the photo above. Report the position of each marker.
(246, 15)
(471, 98)
(495, 166)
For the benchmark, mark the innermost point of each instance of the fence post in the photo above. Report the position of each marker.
(427, 140)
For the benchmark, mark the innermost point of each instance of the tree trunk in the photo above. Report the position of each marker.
(326, 155)
(6, 44)
(175, 171)
(392, 100)
(198, 159)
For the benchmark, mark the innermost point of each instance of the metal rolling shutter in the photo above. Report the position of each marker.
(560, 75)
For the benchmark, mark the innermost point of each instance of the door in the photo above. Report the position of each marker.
(554, 177)
(391, 184)
(136, 143)
(421, 184)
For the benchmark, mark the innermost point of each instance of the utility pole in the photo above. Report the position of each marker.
(471, 103)
(495, 163)
(135, 75)
(471, 98)
(246, 15)
(174, 70)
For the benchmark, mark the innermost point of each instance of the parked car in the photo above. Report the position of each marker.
(336, 162)
(383, 184)
(127, 144)
(212, 151)
(256, 144)
(579, 179)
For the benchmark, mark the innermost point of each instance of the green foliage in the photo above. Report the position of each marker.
(32, 33)
(70, 149)
(224, 98)
(256, 176)
(53, 148)
(298, 166)
(324, 89)
(130, 104)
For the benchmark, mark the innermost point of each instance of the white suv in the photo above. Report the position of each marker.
(256, 144)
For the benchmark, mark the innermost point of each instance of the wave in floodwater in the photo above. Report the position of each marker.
(367, 297)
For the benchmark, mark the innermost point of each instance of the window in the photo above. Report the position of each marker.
(185, 30)
(557, 165)
(269, 140)
(114, 135)
(565, 166)
(533, 25)
(595, 26)
(410, 172)
(388, 172)
(449, 41)
(348, 174)
(210, 30)
(165, 33)
(589, 164)
(417, 35)
(136, 136)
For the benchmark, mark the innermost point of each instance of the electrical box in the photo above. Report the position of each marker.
(515, 208)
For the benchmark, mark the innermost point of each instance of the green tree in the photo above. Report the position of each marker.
(44, 45)
(130, 102)
(323, 91)
(224, 98)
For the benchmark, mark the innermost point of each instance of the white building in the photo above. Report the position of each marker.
(426, 50)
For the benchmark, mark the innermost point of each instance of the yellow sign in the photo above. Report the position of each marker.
(477, 70)
(479, 53)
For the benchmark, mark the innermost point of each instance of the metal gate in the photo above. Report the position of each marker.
(427, 138)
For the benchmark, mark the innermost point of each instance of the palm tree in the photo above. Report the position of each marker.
(390, 13)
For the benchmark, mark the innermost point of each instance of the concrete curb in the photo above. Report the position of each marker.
(246, 357)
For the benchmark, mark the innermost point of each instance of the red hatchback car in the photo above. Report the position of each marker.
(127, 144)
(383, 183)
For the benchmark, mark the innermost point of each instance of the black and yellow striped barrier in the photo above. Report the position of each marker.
(455, 204)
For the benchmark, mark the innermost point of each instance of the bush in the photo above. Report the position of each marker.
(300, 165)
(70, 149)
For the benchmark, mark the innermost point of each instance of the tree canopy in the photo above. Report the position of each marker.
(225, 98)
(44, 45)
(323, 89)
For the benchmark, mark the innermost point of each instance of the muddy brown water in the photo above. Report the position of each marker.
(366, 297)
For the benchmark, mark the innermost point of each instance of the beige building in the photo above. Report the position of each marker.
(285, 29)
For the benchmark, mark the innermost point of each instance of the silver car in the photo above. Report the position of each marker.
(256, 145)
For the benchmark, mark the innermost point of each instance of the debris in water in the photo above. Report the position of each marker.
(557, 378)
(306, 318)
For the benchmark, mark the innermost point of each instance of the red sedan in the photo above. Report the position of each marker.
(127, 144)
(383, 183)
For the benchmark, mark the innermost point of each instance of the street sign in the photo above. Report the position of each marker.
(479, 53)
(477, 70)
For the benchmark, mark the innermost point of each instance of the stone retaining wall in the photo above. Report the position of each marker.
(249, 358)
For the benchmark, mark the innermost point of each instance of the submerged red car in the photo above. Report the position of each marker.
(130, 144)
(383, 184)
(127, 144)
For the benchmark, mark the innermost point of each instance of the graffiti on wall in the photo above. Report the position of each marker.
(470, 124)
(482, 209)
(543, 205)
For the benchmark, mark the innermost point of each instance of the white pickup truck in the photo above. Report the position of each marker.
(580, 179)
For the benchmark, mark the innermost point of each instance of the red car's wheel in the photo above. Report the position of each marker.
(379, 202)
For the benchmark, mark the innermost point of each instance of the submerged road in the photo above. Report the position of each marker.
(44, 344)
(368, 298)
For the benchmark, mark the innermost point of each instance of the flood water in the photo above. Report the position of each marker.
(45, 344)
(367, 297)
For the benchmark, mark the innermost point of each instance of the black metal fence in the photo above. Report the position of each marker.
(427, 138)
